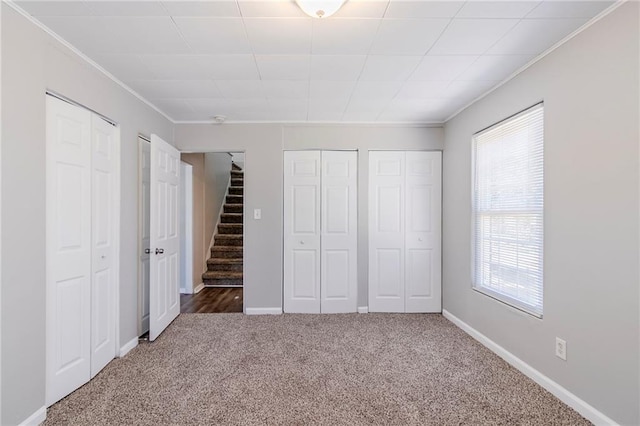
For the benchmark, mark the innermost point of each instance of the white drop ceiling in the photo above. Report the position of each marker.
(255, 61)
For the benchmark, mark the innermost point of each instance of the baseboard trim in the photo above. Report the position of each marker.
(36, 418)
(198, 288)
(363, 309)
(564, 395)
(263, 311)
(128, 347)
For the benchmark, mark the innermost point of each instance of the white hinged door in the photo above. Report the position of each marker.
(164, 225)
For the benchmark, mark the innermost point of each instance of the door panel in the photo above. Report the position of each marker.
(144, 153)
(301, 231)
(68, 248)
(423, 233)
(104, 254)
(339, 234)
(386, 231)
(164, 292)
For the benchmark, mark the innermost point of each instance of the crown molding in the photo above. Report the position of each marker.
(426, 124)
(529, 64)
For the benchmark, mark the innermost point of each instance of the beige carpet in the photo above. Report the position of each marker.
(311, 369)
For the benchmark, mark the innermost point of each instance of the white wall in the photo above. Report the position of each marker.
(32, 62)
(590, 88)
(263, 145)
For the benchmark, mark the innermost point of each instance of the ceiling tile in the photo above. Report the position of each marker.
(389, 68)
(177, 67)
(496, 9)
(177, 109)
(375, 91)
(412, 110)
(423, 90)
(471, 36)
(330, 89)
(336, 67)
(222, 67)
(442, 68)
(468, 90)
(494, 67)
(283, 67)
(125, 67)
(240, 89)
(407, 36)
(147, 34)
(327, 109)
(214, 35)
(534, 36)
(288, 109)
(423, 9)
(89, 34)
(270, 9)
(343, 36)
(219, 8)
(58, 8)
(286, 89)
(569, 9)
(233, 109)
(127, 8)
(363, 110)
(232, 67)
(182, 89)
(279, 36)
(362, 9)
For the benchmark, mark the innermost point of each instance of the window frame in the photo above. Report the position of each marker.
(519, 305)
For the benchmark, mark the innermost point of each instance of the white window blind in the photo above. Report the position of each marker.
(508, 197)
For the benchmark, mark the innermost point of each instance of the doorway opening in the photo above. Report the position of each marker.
(216, 209)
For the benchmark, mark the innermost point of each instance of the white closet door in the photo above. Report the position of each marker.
(423, 234)
(339, 236)
(302, 231)
(68, 262)
(144, 154)
(104, 195)
(386, 231)
(164, 224)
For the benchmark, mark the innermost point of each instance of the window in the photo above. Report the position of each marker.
(508, 197)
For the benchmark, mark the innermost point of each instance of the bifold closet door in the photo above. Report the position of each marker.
(302, 176)
(68, 261)
(339, 234)
(104, 224)
(82, 162)
(320, 231)
(405, 191)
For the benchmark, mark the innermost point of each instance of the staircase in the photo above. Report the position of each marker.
(224, 267)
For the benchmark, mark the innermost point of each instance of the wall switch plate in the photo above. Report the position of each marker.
(257, 214)
(561, 349)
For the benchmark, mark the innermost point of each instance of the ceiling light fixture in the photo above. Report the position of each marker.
(320, 8)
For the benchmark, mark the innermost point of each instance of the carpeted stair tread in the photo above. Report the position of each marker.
(235, 167)
(233, 208)
(237, 173)
(227, 252)
(237, 182)
(234, 199)
(231, 218)
(228, 239)
(209, 275)
(236, 190)
(230, 228)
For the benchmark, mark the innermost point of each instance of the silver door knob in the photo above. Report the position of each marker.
(159, 251)
(147, 251)
(103, 257)
(302, 242)
(420, 239)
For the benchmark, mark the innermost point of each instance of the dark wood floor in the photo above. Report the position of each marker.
(212, 300)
